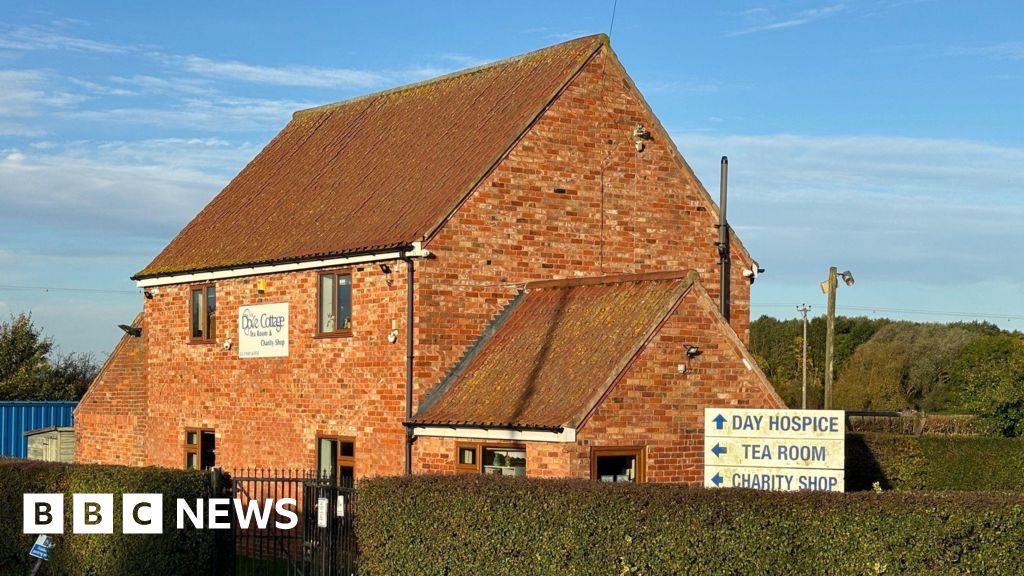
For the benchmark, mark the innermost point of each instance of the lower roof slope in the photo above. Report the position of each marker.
(555, 351)
(375, 173)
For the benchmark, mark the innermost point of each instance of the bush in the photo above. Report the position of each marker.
(916, 423)
(173, 552)
(471, 525)
(900, 462)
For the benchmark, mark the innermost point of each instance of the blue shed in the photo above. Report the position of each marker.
(16, 418)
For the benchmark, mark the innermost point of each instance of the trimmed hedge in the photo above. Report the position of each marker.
(183, 552)
(472, 525)
(916, 423)
(900, 462)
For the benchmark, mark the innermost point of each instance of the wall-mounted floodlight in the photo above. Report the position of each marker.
(130, 330)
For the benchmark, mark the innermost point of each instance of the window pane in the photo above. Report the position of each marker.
(207, 450)
(467, 456)
(344, 301)
(348, 448)
(327, 323)
(191, 438)
(347, 476)
(328, 455)
(616, 468)
(197, 313)
(211, 309)
(506, 462)
(190, 460)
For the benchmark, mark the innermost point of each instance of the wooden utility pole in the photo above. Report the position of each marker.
(803, 309)
(830, 328)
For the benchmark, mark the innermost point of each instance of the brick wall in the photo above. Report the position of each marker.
(268, 412)
(621, 212)
(656, 406)
(110, 421)
(653, 406)
(616, 211)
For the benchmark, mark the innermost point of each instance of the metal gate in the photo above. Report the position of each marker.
(330, 539)
(322, 544)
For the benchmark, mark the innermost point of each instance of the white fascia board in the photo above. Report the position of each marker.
(197, 277)
(566, 435)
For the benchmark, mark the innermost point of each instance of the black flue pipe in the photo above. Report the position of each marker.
(723, 241)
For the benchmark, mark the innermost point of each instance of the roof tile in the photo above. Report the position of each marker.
(374, 173)
(555, 352)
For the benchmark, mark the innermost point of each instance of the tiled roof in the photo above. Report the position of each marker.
(374, 173)
(554, 352)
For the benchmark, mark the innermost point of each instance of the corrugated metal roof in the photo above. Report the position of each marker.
(555, 352)
(376, 172)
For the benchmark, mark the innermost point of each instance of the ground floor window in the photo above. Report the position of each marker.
(617, 464)
(467, 457)
(499, 460)
(336, 459)
(504, 461)
(200, 449)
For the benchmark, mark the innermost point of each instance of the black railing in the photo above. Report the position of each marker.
(323, 543)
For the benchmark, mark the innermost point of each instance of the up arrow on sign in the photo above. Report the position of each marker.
(719, 422)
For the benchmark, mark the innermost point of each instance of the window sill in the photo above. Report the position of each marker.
(329, 335)
(194, 342)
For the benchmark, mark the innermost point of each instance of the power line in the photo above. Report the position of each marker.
(952, 313)
(64, 289)
(612, 24)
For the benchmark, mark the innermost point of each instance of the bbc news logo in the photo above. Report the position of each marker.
(144, 513)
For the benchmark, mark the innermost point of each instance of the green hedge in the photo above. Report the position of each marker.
(900, 462)
(472, 525)
(175, 551)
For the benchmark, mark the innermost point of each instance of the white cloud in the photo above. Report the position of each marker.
(150, 188)
(147, 84)
(765, 21)
(53, 37)
(213, 115)
(307, 76)
(907, 208)
(27, 92)
(999, 51)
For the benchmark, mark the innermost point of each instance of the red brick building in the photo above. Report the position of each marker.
(499, 270)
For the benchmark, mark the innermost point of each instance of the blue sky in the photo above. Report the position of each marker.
(883, 136)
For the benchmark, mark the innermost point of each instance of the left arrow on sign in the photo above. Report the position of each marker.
(718, 449)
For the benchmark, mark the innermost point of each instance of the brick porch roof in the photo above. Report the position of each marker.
(554, 352)
(374, 173)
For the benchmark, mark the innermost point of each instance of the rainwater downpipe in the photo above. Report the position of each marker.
(410, 271)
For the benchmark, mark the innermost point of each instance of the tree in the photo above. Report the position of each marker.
(905, 365)
(988, 380)
(30, 370)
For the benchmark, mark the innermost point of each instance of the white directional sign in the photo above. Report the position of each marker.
(774, 449)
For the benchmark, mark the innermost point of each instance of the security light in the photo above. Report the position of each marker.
(847, 277)
(130, 330)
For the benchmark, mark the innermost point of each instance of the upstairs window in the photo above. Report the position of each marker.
(203, 323)
(335, 314)
(200, 449)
